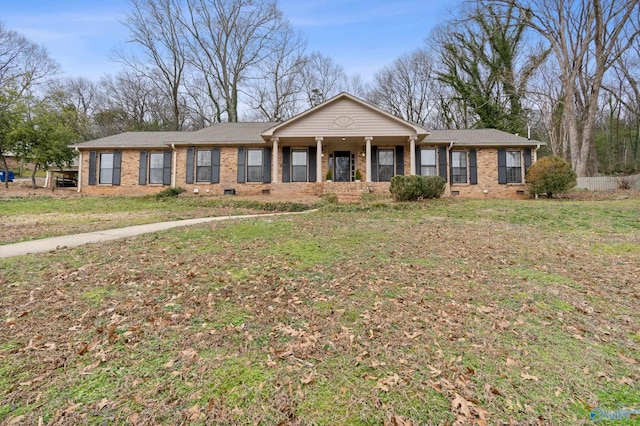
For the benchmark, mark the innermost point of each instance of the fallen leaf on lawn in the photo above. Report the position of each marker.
(528, 376)
(461, 405)
(485, 309)
(189, 356)
(627, 359)
(511, 362)
(490, 390)
(625, 381)
(307, 379)
(385, 383)
(412, 335)
(396, 420)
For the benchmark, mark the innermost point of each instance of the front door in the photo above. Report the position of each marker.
(342, 166)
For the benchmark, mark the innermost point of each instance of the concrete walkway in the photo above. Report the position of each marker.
(50, 244)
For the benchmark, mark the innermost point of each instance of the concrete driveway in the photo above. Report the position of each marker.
(50, 244)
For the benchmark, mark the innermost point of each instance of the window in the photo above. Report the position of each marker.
(203, 165)
(106, 168)
(156, 168)
(458, 167)
(514, 167)
(254, 165)
(299, 166)
(385, 165)
(428, 162)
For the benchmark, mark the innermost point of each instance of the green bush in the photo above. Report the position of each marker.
(169, 192)
(411, 188)
(550, 175)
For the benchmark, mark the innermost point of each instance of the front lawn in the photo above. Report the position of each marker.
(493, 312)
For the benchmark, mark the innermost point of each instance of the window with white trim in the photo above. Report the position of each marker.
(156, 168)
(385, 165)
(254, 165)
(459, 167)
(203, 165)
(106, 168)
(299, 163)
(514, 167)
(428, 165)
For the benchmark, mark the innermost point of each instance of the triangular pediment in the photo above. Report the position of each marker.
(345, 116)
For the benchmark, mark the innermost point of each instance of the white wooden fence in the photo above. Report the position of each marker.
(608, 183)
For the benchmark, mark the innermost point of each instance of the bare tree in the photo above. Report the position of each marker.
(22, 62)
(322, 78)
(405, 88)
(587, 38)
(274, 92)
(227, 39)
(132, 102)
(154, 26)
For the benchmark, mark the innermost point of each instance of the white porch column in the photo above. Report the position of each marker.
(80, 165)
(368, 140)
(274, 160)
(319, 140)
(412, 155)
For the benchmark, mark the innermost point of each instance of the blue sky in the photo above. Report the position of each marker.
(360, 35)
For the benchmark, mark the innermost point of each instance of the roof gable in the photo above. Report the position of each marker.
(344, 115)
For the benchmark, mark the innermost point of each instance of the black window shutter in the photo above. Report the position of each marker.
(242, 158)
(191, 153)
(442, 154)
(142, 171)
(286, 164)
(266, 165)
(166, 168)
(92, 167)
(313, 151)
(502, 165)
(418, 161)
(374, 164)
(400, 160)
(215, 165)
(473, 167)
(117, 165)
(527, 160)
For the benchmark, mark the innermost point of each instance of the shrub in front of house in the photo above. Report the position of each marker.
(169, 192)
(550, 175)
(411, 188)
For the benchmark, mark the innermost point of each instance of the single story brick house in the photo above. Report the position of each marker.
(343, 135)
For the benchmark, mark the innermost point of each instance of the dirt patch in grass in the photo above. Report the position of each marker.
(432, 315)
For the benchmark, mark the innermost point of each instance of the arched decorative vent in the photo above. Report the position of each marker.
(344, 122)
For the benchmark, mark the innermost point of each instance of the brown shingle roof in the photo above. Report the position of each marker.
(221, 133)
(479, 137)
(231, 133)
(133, 140)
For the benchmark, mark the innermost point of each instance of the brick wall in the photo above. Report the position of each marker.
(487, 159)
(487, 186)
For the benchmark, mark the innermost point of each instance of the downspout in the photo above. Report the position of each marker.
(174, 166)
(535, 154)
(79, 168)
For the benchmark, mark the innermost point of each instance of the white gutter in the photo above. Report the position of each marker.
(79, 169)
(535, 154)
(174, 166)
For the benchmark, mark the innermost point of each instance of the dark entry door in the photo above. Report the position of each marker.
(342, 166)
